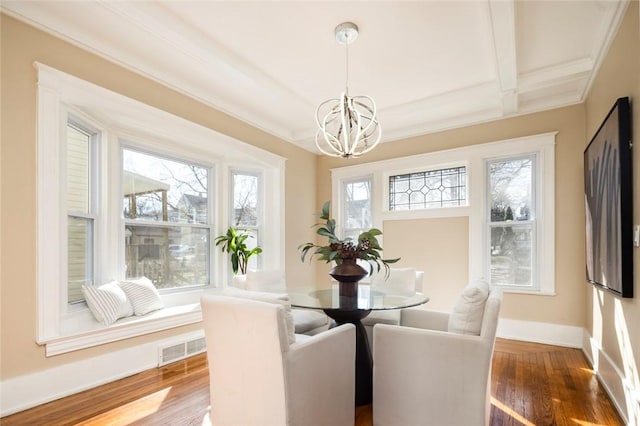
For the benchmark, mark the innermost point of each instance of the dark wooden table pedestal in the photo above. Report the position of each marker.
(364, 360)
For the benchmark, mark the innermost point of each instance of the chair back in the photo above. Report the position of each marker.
(245, 340)
(400, 280)
(490, 316)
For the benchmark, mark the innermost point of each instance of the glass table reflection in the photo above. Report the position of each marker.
(352, 309)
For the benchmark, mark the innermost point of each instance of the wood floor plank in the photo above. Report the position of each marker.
(531, 385)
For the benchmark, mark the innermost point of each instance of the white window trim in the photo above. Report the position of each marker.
(473, 157)
(64, 330)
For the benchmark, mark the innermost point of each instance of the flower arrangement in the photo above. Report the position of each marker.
(366, 248)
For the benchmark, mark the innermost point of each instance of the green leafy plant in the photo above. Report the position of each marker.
(233, 242)
(366, 248)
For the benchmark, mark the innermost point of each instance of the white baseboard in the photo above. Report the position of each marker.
(541, 332)
(624, 395)
(27, 391)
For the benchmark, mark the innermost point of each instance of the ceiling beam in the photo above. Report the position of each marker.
(502, 15)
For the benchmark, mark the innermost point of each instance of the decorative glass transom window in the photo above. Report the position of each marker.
(430, 189)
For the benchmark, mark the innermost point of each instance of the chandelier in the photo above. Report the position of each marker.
(347, 126)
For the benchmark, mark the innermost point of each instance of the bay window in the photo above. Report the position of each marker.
(126, 190)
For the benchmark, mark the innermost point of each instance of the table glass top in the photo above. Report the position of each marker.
(368, 298)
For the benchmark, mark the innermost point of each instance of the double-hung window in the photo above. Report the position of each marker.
(247, 208)
(512, 223)
(356, 207)
(81, 204)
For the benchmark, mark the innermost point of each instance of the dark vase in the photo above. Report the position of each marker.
(348, 273)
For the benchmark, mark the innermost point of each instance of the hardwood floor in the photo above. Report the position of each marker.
(532, 384)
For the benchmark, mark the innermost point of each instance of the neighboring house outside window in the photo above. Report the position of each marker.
(167, 224)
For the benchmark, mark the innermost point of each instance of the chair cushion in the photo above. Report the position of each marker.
(466, 315)
(267, 281)
(280, 299)
(391, 316)
(107, 302)
(306, 320)
(400, 281)
(143, 294)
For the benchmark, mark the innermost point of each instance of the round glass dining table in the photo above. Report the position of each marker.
(352, 309)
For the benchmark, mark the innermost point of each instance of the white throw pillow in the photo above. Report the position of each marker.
(466, 316)
(267, 281)
(400, 281)
(143, 295)
(107, 302)
(279, 299)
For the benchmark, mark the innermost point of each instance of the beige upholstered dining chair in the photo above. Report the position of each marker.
(306, 321)
(435, 368)
(403, 281)
(261, 373)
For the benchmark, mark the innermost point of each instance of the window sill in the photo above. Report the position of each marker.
(82, 331)
(530, 292)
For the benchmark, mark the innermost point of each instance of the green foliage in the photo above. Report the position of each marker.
(233, 242)
(366, 248)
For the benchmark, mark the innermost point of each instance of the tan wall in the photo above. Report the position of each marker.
(433, 240)
(21, 46)
(567, 307)
(612, 321)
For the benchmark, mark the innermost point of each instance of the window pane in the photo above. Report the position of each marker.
(511, 190)
(429, 189)
(79, 256)
(511, 255)
(245, 200)
(357, 205)
(77, 170)
(171, 257)
(159, 189)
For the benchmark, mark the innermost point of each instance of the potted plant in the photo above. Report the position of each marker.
(345, 252)
(234, 243)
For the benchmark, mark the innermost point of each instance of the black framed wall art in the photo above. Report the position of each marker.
(609, 203)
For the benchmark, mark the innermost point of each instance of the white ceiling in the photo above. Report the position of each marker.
(429, 65)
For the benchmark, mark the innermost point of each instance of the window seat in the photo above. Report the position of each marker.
(80, 330)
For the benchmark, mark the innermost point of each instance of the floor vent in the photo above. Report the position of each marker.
(178, 351)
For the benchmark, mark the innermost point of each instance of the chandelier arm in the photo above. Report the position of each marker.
(324, 151)
(358, 126)
(332, 142)
(375, 143)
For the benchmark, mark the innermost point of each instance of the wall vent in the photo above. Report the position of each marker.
(178, 351)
